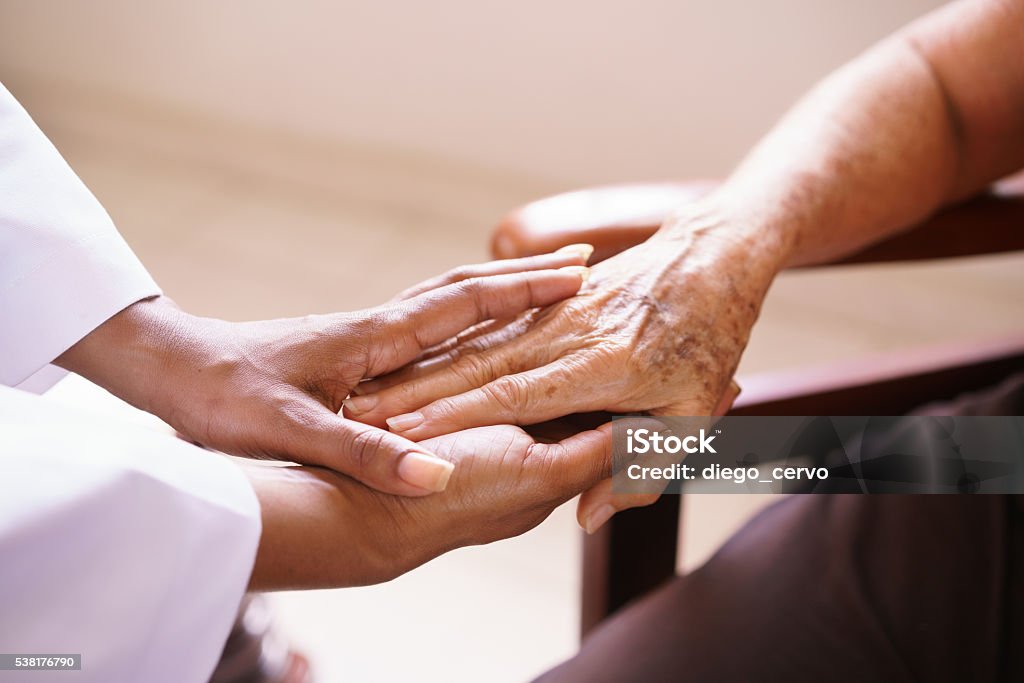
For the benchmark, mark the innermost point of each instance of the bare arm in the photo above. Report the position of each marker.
(928, 117)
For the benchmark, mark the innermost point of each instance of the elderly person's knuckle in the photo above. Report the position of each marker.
(511, 394)
(474, 368)
(579, 315)
(444, 410)
(645, 364)
(610, 354)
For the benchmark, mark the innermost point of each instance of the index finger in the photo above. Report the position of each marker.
(434, 316)
(537, 395)
(571, 255)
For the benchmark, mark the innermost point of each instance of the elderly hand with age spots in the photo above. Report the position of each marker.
(658, 329)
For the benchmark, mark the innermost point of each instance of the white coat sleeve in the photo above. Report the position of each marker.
(64, 268)
(122, 544)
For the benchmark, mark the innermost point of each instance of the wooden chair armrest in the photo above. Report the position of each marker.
(891, 383)
(616, 217)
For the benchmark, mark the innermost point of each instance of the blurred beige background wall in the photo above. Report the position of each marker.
(572, 91)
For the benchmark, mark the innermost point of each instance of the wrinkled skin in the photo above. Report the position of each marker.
(659, 328)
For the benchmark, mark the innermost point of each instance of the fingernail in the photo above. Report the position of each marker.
(425, 471)
(582, 271)
(402, 423)
(584, 250)
(597, 518)
(362, 404)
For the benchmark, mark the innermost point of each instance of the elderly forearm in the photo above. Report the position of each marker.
(889, 138)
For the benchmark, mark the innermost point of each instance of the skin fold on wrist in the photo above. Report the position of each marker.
(720, 228)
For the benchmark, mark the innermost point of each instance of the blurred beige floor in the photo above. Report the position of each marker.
(243, 224)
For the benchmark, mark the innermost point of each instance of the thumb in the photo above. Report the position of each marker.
(578, 462)
(598, 504)
(374, 457)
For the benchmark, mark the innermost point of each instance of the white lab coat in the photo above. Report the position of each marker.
(117, 541)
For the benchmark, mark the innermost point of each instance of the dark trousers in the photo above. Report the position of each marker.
(839, 588)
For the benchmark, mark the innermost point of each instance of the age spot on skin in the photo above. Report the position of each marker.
(685, 347)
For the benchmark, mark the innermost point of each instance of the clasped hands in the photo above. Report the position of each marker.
(430, 387)
(657, 329)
